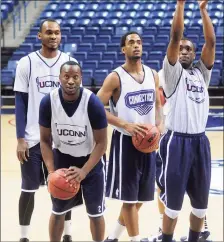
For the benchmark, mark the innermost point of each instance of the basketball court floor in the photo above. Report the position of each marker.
(149, 216)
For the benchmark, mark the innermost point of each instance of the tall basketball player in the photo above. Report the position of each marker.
(185, 149)
(36, 75)
(132, 91)
(79, 113)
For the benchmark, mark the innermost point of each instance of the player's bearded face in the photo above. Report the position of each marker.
(133, 47)
(186, 54)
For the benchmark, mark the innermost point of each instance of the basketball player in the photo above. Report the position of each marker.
(204, 236)
(132, 91)
(36, 75)
(185, 149)
(75, 119)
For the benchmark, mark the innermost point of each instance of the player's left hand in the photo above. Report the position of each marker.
(75, 173)
(202, 4)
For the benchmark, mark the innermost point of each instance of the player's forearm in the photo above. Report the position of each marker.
(159, 115)
(98, 151)
(208, 29)
(21, 103)
(177, 27)
(113, 120)
(47, 153)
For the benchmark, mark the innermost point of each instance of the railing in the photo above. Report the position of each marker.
(17, 13)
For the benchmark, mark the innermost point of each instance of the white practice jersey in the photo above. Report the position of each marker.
(187, 95)
(37, 76)
(161, 83)
(72, 135)
(136, 103)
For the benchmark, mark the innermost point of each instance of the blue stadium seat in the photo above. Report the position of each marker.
(105, 6)
(92, 65)
(161, 7)
(102, 14)
(74, 39)
(120, 56)
(147, 6)
(220, 45)
(105, 65)
(92, 30)
(147, 46)
(64, 6)
(150, 30)
(66, 30)
(112, 22)
(103, 39)
(156, 55)
(107, 30)
(87, 76)
(194, 30)
(70, 48)
(89, 39)
(133, 6)
(215, 78)
(141, 22)
(168, 15)
(95, 56)
(110, 55)
(164, 30)
(4, 14)
(113, 47)
(120, 6)
(154, 64)
(160, 47)
(98, 47)
(88, 14)
(162, 38)
(46, 14)
(12, 64)
(115, 14)
(144, 55)
(218, 64)
(37, 46)
(129, 14)
(83, 22)
(119, 31)
(78, 6)
(154, 22)
(157, 14)
(80, 56)
(125, 22)
(219, 55)
(216, 5)
(98, 22)
(72, 15)
(78, 31)
(52, 6)
(148, 39)
(193, 37)
(31, 39)
(99, 77)
(27, 47)
(69, 22)
(84, 47)
(219, 31)
(138, 29)
(143, 14)
(7, 77)
(118, 63)
(60, 15)
(92, 6)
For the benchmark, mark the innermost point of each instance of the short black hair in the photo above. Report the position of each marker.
(47, 20)
(123, 38)
(70, 63)
(185, 38)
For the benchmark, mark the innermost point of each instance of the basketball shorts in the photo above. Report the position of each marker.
(34, 172)
(131, 173)
(92, 188)
(186, 167)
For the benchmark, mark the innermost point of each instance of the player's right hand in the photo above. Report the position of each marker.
(134, 129)
(22, 150)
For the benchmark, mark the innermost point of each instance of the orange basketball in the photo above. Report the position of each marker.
(162, 97)
(59, 188)
(150, 142)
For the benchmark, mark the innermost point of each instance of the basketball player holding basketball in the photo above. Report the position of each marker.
(75, 119)
(36, 75)
(132, 91)
(185, 149)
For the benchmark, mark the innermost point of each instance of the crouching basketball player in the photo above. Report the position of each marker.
(75, 119)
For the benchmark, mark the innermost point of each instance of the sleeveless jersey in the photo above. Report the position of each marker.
(71, 135)
(136, 103)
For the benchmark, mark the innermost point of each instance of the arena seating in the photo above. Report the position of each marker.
(7, 7)
(91, 32)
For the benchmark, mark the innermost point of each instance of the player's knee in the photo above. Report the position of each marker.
(199, 213)
(171, 213)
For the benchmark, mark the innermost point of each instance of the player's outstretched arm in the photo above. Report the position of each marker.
(46, 148)
(208, 50)
(176, 34)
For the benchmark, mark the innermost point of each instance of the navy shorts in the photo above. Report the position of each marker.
(92, 187)
(186, 167)
(34, 172)
(131, 173)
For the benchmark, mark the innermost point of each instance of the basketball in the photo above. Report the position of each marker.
(162, 97)
(59, 188)
(149, 142)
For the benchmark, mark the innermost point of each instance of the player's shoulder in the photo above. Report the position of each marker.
(46, 101)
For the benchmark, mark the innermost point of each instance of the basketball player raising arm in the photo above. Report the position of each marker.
(36, 75)
(75, 120)
(185, 149)
(132, 92)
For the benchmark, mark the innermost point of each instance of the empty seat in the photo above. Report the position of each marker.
(154, 64)
(107, 30)
(113, 47)
(141, 22)
(98, 47)
(101, 14)
(103, 39)
(87, 76)
(105, 6)
(150, 30)
(7, 77)
(147, 6)
(129, 14)
(12, 64)
(125, 22)
(27, 47)
(84, 47)
(160, 47)
(81, 56)
(215, 77)
(105, 64)
(119, 6)
(78, 6)
(112, 22)
(75, 14)
(148, 38)
(121, 30)
(95, 56)
(138, 29)
(64, 6)
(88, 14)
(110, 55)
(89, 39)
(83, 22)
(78, 31)
(69, 22)
(37, 46)
(92, 65)
(70, 47)
(31, 39)
(74, 39)
(92, 6)
(155, 55)
(162, 38)
(18, 55)
(133, 6)
(98, 22)
(92, 30)
(99, 77)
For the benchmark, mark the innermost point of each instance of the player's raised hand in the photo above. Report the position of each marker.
(134, 129)
(202, 4)
(22, 150)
